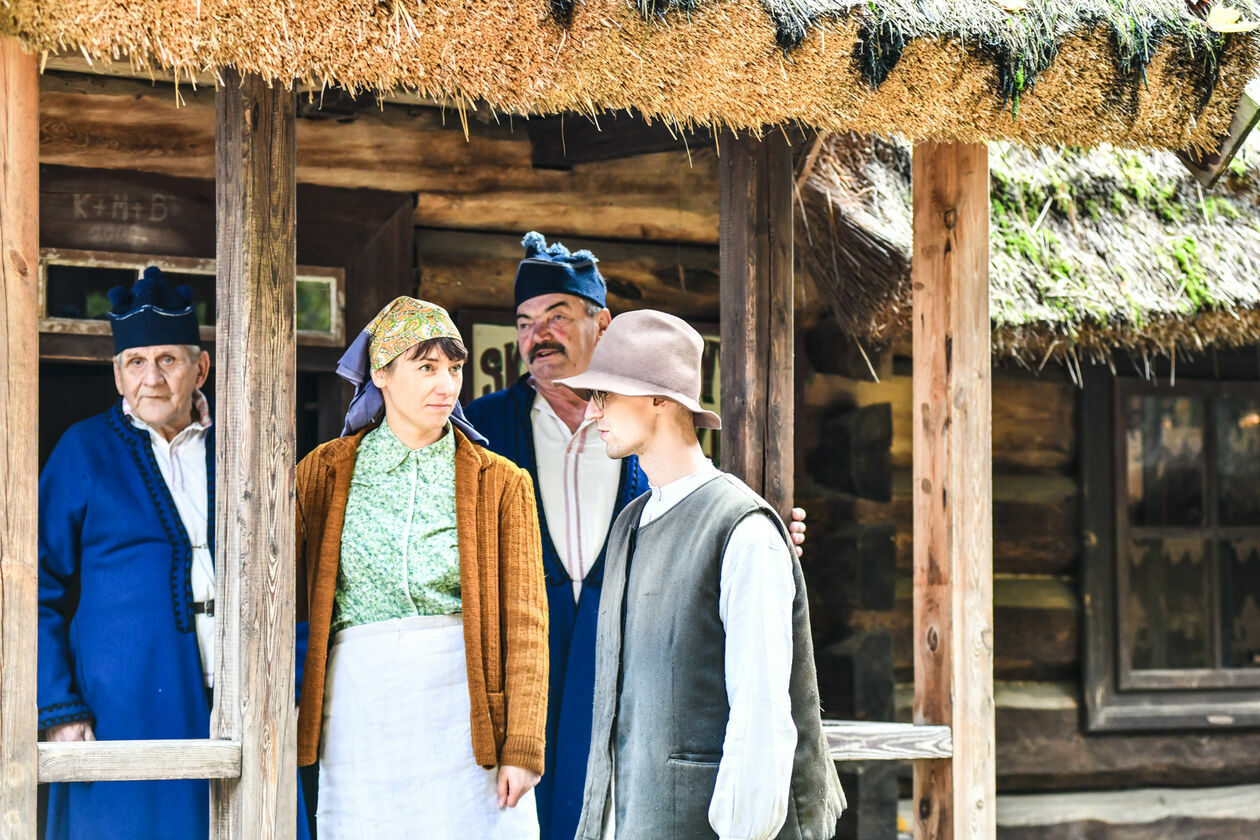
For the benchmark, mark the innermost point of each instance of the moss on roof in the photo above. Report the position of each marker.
(1090, 250)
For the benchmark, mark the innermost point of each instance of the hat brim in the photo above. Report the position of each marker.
(584, 383)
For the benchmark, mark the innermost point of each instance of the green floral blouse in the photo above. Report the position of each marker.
(399, 543)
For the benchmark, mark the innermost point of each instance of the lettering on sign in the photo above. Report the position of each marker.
(121, 207)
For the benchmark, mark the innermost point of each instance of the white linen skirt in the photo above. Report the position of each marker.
(396, 757)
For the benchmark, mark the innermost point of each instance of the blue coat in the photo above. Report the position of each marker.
(504, 418)
(116, 637)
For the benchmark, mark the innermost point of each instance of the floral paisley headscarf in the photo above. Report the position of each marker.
(401, 325)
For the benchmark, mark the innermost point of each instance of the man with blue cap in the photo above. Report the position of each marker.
(126, 572)
(561, 314)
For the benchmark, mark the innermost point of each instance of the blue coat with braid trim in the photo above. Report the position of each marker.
(504, 418)
(116, 635)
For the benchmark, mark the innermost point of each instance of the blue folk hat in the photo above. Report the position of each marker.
(152, 313)
(548, 269)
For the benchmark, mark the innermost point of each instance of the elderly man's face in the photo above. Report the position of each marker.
(158, 383)
(556, 335)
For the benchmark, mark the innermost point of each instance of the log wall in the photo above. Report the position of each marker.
(853, 438)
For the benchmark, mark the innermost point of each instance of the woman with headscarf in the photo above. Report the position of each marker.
(419, 569)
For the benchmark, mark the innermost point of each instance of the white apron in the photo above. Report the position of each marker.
(396, 757)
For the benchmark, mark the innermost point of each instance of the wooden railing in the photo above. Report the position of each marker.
(861, 741)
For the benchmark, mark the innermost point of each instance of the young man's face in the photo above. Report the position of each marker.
(556, 336)
(626, 424)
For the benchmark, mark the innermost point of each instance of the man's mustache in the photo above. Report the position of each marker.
(546, 345)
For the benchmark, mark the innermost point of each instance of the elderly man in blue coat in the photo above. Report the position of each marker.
(126, 573)
(561, 313)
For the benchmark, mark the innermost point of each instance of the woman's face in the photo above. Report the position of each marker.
(420, 390)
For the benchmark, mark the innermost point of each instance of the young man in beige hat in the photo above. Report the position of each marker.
(706, 720)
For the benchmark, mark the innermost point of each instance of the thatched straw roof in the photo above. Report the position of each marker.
(1133, 72)
(1090, 251)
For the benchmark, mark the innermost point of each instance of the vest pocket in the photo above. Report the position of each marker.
(694, 776)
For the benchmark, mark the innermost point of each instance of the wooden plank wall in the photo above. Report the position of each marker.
(19, 380)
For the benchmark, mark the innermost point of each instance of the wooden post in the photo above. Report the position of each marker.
(19, 421)
(953, 534)
(255, 187)
(755, 196)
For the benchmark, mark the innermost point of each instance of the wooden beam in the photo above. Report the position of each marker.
(861, 741)
(475, 270)
(564, 140)
(255, 189)
(755, 255)
(485, 181)
(117, 761)
(19, 375)
(1221, 813)
(952, 485)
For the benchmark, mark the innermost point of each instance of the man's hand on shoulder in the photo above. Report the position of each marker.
(75, 730)
(797, 529)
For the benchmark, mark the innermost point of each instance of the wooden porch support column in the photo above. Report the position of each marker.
(255, 189)
(19, 420)
(953, 530)
(755, 196)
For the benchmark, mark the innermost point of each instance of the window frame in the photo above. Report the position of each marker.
(334, 277)
(1117, 698)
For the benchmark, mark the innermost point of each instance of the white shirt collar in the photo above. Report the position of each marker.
(668, 495)
(200, 405)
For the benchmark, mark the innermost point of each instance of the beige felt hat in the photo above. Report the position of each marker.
(648, 354)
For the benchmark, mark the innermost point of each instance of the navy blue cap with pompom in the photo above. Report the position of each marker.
(552, 269)
(152, 313)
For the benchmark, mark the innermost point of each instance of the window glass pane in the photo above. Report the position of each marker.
(1240, 597)
(80, 291)
(1164, 460)
(1169, 625)
(203, 292)
(314, 305)
(1238, 445)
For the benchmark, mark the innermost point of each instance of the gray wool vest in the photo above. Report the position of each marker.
(660, 686)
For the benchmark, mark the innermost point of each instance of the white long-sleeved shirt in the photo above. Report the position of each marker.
(756, 590)
(182, 462)
(578, 483)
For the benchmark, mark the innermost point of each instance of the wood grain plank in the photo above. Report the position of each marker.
(19, 373)
(953, 551)
(859, 741)
(115, 761)
(755, 258)
(483, 181)
(256, 262)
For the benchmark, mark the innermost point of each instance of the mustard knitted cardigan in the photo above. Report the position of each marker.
(501, 585)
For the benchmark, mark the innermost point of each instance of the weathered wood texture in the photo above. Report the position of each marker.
(860, 741)
(953, 550)
(758, 379)
(114, 761)
(255, 192)
(563, 140)
(1036, 623)
(1219, 813)
(472, 269)
(19, 380)
(1033, 419)
(1041, 746)
(484, 181)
